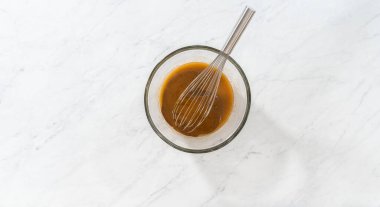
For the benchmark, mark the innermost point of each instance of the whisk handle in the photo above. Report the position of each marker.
(238, 30)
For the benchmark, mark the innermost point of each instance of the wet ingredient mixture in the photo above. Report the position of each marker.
(176, 83)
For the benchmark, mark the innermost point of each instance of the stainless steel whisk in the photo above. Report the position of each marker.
(196, 101)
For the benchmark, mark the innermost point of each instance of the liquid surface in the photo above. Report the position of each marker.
(176, 83)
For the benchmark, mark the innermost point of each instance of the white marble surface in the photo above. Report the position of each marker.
(73, 131)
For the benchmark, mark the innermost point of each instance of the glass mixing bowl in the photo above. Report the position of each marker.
(208, 142)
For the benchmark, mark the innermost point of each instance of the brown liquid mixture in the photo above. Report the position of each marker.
(175, 84)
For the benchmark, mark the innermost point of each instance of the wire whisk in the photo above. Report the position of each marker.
(196, 101)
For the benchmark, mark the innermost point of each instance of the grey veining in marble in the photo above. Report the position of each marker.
(73, 130)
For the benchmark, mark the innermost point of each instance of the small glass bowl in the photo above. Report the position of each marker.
(208, 142)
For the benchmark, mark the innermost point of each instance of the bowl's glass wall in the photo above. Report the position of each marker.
(227, 131)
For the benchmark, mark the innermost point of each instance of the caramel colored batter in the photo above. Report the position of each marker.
(175, 84)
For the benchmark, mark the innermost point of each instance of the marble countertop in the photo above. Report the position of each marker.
(73, 130)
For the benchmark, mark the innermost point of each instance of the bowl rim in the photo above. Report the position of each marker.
(238, 129)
